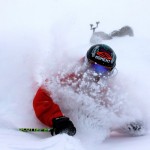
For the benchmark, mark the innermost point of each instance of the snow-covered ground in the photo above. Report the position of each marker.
(36, 35)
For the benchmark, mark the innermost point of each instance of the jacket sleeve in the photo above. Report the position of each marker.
(44, 107)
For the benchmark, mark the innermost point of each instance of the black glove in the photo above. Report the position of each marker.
(63, 125)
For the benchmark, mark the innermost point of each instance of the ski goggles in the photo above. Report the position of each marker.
(100, 69)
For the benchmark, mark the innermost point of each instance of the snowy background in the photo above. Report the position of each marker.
(36, 34)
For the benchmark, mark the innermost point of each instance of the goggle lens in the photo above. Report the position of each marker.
(100, 69)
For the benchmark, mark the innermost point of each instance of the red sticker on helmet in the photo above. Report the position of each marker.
(104, 55)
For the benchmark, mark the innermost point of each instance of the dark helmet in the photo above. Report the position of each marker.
(103, 55)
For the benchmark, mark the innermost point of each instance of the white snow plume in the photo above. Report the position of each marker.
(31, 30)
(96, 107)
(133, 65)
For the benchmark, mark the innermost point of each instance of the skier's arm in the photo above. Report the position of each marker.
(44, 107)
(50, 114)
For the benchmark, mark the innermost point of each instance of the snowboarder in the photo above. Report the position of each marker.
(100, 59)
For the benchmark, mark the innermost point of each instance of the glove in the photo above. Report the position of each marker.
(63, 125)
(136, 128)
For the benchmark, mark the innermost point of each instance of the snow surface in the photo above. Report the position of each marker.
(35, 36)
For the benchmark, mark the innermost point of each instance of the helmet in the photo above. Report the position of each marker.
(102, 55)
